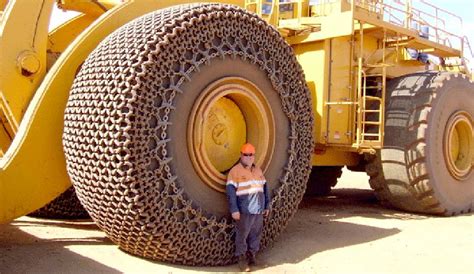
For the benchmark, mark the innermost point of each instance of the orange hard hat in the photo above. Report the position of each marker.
(248, 148)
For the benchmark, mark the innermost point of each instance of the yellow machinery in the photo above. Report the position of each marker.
(143, 105)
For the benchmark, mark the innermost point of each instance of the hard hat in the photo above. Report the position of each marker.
(248, 149)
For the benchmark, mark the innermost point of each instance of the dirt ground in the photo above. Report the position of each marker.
(347, 232)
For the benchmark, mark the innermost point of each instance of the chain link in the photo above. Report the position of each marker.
(115, 137)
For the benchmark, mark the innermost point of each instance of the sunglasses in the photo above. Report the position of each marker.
(247, 154)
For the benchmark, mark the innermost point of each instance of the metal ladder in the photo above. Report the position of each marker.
(371, 89)
(371, 108)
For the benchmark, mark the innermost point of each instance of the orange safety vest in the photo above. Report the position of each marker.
(246, 181)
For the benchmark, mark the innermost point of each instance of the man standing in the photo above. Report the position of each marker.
(249, 201)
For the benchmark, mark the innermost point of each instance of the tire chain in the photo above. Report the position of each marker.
(116, 123)
(66, 206)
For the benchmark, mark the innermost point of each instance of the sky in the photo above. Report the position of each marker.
(463, 8)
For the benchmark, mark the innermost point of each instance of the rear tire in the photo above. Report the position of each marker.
(66, 206)
(322, 179)
(127, 138)
(413, 171)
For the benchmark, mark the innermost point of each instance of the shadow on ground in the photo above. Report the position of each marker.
(46, 254)
(318, 226)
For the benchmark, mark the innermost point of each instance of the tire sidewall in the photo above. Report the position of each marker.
(453, 96)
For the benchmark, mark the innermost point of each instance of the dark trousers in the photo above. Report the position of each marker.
(248, 233)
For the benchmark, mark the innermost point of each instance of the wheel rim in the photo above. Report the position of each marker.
(459, 145)
(230, 112)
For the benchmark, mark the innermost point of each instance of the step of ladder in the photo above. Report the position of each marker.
(370, 134)
(372, 98)
(372, 123)
(379, 65)
(371, 111)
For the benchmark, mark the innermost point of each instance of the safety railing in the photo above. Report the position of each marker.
(466, 46)
(431, 22)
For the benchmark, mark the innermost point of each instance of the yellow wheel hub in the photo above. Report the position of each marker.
(459, 145)
(224, 133)
(227, 114)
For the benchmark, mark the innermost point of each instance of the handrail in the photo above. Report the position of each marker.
(468, 44)
(440, 9)
(410, 14)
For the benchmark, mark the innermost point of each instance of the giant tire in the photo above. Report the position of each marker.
(322, 179)
(124, 142)
(412, 172)
(65, 206)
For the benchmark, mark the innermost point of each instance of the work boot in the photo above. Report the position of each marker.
(243, 263)
(251, 258)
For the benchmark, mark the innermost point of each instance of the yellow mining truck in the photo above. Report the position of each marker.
(143, 106)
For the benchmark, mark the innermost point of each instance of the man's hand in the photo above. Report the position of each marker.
(266, 212)
(236, 216)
